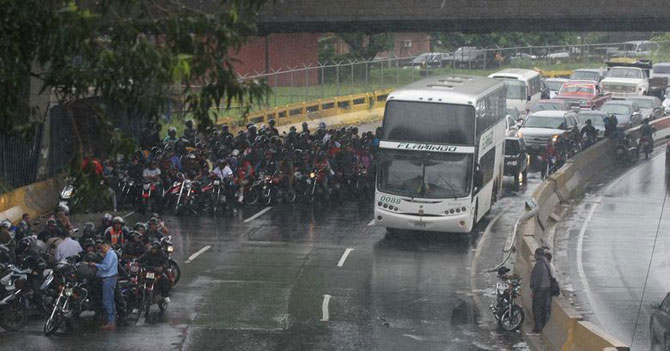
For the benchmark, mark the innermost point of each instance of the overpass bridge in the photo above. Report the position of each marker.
(463, 15)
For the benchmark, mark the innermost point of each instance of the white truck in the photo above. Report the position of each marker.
(625, 79)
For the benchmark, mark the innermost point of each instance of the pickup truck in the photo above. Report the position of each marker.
(583, 94)
(627, 77)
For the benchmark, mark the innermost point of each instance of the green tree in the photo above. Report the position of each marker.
(362, 46)
(138, 54)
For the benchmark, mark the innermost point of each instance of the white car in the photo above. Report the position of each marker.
(666, 104)
(555, 85)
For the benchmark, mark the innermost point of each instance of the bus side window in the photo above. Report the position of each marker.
(485, 167)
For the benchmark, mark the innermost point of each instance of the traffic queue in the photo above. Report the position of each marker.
(214, 172)
(115, 271)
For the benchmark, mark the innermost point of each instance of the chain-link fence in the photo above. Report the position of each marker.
(19, 157)
(61, 141)
(325, 80)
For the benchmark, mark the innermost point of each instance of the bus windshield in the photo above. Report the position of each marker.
(516, 89)
(425, 174)
(429, 122)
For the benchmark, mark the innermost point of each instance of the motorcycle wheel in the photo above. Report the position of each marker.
(13, 316)
(511, 320)
(176, 272)
(51, 324)
(250, 197)
(290, 196)
(268, 199)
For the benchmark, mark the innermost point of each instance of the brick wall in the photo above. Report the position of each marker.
(284, 50)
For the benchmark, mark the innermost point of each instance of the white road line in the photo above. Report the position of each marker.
(129, 214)
(580, 263)
(344, 257)
(372, 222)
(480, 246)
(324, 308)
(192, 257)
(258, 214)
(582, 232)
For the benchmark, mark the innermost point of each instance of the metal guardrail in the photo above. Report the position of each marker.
(317, 109)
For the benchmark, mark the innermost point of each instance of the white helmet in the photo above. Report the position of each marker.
(5, 224)
(236, 152)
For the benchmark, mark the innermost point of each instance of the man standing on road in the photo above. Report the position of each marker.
(539, 284)
(108, 271)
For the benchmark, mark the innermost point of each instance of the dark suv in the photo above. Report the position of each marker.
(516, 159)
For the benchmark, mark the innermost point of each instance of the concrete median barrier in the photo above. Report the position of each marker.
(566, 330)
(588, 336)
(35, 199)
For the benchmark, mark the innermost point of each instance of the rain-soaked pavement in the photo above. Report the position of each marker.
(622, 230)
(279, 281)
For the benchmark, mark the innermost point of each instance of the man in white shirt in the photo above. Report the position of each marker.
(67, 248)
(223, 170)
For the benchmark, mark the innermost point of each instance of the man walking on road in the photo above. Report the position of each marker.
(108, 271)
(539, 284)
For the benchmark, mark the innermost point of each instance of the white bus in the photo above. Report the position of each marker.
(524, 87)
(441, 156)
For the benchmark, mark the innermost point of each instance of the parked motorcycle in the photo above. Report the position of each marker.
(72, 295)
(67, 194)
(506, 311)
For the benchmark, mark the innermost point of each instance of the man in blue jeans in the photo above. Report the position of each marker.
(108, 271)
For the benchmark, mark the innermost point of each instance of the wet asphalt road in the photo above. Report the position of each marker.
(622, 239)
(260, 282)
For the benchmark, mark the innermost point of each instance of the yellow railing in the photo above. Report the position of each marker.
(316, 109)
(566, 73)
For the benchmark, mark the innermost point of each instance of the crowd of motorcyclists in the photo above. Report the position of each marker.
(110, 269)
(562, 147)
(215, 171)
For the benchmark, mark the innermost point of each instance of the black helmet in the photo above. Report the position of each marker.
(140, 225)
(89, 227)
(156, 245)
(272, 122)
(89, 242)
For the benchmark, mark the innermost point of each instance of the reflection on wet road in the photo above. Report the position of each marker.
(266, 278)
(628, 225)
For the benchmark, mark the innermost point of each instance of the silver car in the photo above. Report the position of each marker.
(541, 126)
(627, 113)
(650, 106)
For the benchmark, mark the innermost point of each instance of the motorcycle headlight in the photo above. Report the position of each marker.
(312, 174)
(170, 248)
(67, 291)
(512, 163)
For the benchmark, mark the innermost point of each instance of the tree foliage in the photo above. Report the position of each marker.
(454, 40)
(361, 46)
(138, 54)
